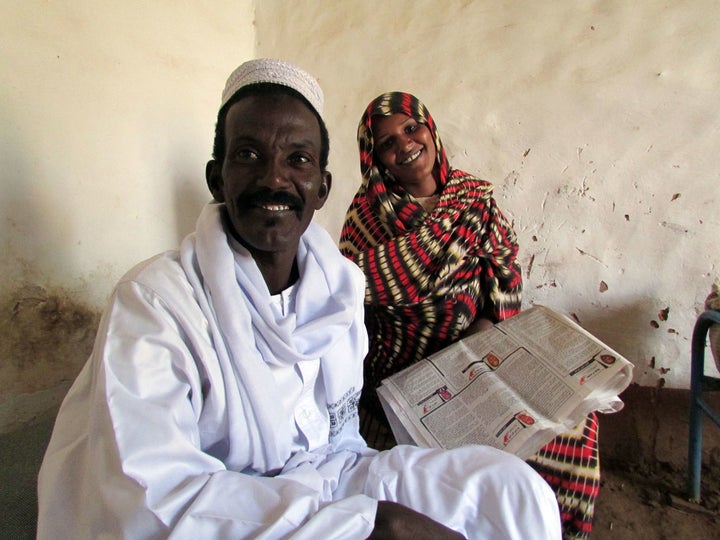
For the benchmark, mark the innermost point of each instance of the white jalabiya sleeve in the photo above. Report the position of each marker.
(132, 454)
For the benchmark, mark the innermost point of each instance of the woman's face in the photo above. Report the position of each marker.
(407, 150)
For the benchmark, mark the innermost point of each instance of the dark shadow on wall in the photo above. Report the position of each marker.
(652, 430)
(27, 225)
(190, 196)
(191, 191)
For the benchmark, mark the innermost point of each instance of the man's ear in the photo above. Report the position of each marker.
(324, 189)
(213, 176)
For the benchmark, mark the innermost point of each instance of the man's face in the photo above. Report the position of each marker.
(270, 180)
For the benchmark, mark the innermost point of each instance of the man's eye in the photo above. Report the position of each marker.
(299, 159)
(246, 154)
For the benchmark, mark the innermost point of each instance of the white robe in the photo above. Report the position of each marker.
(176, 427)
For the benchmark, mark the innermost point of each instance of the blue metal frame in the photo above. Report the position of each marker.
(699, 382)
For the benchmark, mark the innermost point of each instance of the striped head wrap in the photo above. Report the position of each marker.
(428, 274)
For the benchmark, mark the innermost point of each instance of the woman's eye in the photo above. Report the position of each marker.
(386, 144)
(411, 129)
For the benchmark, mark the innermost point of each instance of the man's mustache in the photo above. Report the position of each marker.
(268, 196)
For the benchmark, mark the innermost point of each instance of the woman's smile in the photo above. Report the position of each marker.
(412, 158)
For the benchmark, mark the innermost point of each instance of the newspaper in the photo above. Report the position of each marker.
(515, 386)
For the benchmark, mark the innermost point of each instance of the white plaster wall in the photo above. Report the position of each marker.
(596, 120)
(107, 111)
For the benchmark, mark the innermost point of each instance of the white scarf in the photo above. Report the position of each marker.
(247, 338)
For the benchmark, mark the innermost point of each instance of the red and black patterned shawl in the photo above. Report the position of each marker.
(429, 275)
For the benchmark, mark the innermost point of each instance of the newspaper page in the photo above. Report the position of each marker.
(515, 386)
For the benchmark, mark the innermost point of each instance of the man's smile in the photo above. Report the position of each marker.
(275, 202)
(275, 207)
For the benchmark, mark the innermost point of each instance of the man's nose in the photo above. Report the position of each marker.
(276, 174)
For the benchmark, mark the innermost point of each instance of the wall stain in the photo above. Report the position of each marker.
(530, 265)
(593, 257)
(45, 338)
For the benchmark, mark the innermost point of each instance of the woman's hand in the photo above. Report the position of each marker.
(394, 521)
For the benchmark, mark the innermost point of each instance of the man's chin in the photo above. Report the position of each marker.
(273, 240)
(270, 231)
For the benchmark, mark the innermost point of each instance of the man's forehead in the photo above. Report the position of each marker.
(272, 99)
(256, 114)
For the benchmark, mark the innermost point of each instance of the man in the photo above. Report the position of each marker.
(220, 400)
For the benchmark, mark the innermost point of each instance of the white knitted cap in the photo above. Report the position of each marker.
(267, 70)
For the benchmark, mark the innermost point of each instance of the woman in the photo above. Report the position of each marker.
(441, 261)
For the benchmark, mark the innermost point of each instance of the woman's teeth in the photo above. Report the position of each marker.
(411, 158)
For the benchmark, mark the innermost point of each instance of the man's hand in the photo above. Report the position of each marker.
(394, 521)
